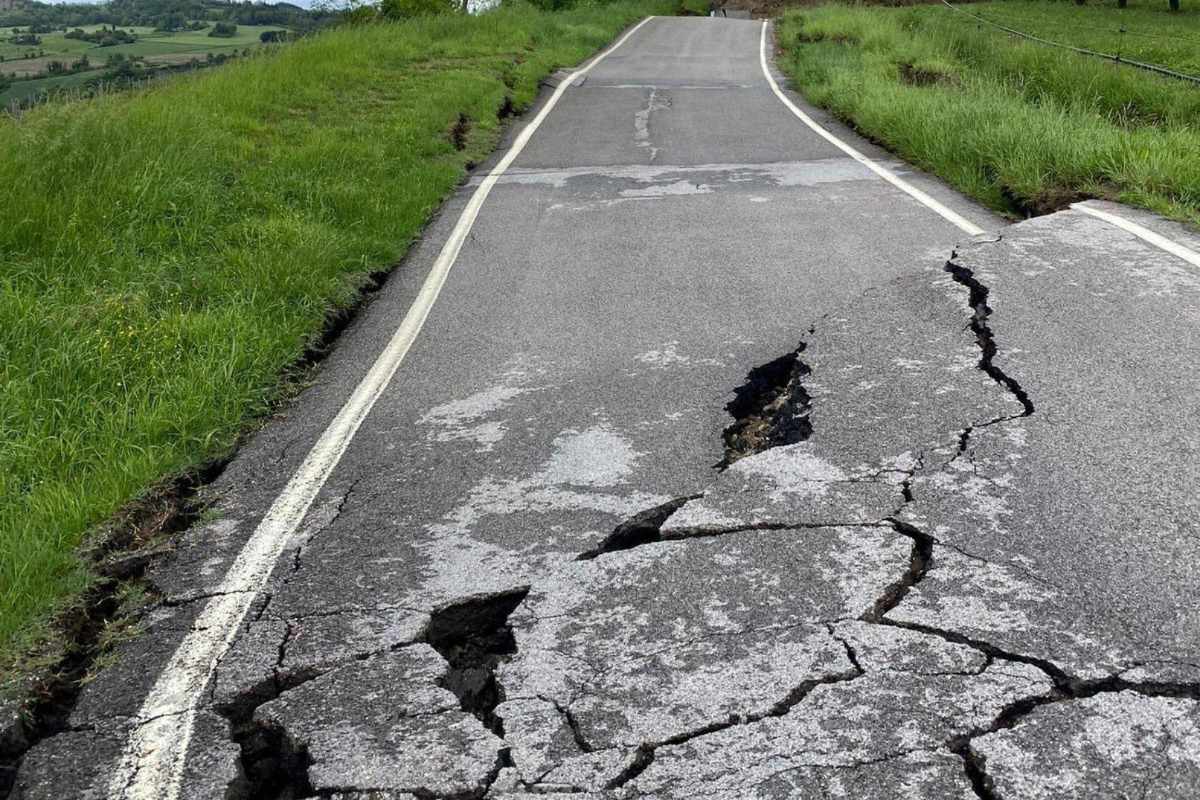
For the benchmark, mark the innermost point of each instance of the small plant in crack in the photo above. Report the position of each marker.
(770, 409)
(474, 637)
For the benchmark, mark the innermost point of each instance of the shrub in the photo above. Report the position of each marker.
(406, 9)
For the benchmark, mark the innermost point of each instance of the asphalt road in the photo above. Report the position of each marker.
(725, 464)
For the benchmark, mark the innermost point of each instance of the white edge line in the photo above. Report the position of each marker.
(1158, 240)
(954, 217)
(152, 762)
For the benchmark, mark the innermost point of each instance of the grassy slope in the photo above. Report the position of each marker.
(164, 256)
(1020, 126)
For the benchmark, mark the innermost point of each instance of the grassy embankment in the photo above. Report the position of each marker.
(1023, 127)
(166, 255)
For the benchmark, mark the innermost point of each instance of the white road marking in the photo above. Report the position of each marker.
(1158, 240)
(151, 767)
(957, 219)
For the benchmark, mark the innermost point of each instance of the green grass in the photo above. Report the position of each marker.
(1020, 126)
(1153, 33)
(166, 254)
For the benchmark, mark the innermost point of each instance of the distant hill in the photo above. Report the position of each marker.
(163, 14)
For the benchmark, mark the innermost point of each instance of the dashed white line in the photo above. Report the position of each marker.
(151, 766)
(954, 217)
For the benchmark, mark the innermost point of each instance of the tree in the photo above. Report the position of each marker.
(25, 37)
(223, 30)
(406, 9)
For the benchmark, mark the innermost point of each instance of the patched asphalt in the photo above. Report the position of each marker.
(955, 555)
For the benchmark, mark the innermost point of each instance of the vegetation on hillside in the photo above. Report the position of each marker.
(109, 58)
(164, 15)
(1023, 127)
(166, 255)
(40, 42)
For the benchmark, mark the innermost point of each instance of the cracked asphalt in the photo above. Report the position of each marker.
(721, 469)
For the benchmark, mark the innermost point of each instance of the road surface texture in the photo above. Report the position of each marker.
(725, 465)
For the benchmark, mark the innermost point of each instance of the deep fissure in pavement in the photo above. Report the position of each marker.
(770, 409)
(273, 765)
(981, 312)
(642, 528)
(474, 637)
(919, 561)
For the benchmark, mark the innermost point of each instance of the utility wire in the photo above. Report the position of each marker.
(1083, 50)
(1030, 21)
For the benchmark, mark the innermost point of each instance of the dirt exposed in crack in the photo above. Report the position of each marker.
(460, 132)
(642, 528)
(770, 409)
(474, 637)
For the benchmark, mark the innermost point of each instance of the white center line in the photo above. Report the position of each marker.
(152, 763)
(957, 219)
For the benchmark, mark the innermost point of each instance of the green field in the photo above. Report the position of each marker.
(156, 48)
(149, 43)
(166, 255)
(21, 90)
(1023, 127)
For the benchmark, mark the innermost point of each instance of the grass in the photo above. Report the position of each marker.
(1022, 127)
(166, 255)
(1152, 33)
